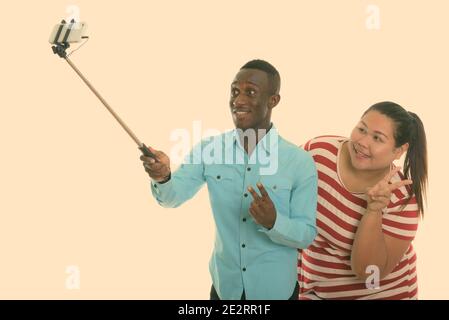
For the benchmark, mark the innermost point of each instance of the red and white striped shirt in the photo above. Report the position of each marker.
(324, 268)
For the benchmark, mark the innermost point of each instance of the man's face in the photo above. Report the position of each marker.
(251, 100)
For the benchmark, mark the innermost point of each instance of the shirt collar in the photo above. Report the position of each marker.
(268, 142)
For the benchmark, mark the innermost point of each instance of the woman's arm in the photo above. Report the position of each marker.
(371, 246)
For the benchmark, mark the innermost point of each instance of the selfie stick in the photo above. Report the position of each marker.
(60, 49)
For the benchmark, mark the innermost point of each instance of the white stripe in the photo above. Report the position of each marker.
(337, 195)
(327, 258)
(329, 238)
(325, 154)
(322, 269)
(337, 212)
(310, 296)
(332, 251)
(400, 219)
(322, 280)
(334, 226)
(400, 232)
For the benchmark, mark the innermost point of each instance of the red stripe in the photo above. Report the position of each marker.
(412, 259)
(328, 245)
(323, 274)
(398, 236)
(398, 193)
(406, 214)
(325, 264)
(408, 187)
(322, 251)
(400, 296)
(414, 293)
(333, 233)
(324, 145)
(341, 190)
(402, 202)
(337, 221)
(399, 225)
(319, 159)
(339, 205)
(307, 145)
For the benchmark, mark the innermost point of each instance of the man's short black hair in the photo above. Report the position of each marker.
(269, 69)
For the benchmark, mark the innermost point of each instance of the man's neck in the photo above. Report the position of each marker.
(259, 132)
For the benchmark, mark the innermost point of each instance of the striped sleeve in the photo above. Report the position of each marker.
(315, 142)
(401, 217)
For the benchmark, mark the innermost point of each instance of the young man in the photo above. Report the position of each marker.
(257, 233)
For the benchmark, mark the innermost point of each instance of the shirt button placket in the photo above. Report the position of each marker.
(244, 217)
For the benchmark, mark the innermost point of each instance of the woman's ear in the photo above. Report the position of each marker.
(401, 150)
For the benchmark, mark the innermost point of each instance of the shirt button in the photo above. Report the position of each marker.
(274, 187)
(244, 269)
(245, 195)
(155, 185)
(244, 219)
(249, 169)
(243, 245)
(218, 177)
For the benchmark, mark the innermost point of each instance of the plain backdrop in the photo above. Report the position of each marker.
(73, 191)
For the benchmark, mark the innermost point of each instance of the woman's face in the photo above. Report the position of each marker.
(372, 144)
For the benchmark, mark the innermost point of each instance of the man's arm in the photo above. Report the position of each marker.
(296, 229)
(173, 189)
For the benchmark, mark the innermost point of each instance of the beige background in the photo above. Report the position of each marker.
(72, 188)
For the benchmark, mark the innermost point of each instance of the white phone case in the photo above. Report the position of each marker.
(77, 31)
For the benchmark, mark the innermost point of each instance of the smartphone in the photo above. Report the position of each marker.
(77, 32)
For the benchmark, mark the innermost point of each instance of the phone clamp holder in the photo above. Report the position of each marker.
(60, 47)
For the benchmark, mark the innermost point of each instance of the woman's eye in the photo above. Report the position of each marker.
(361, 130)
(377, 138)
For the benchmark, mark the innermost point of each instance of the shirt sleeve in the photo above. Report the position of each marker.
(400, 220)
(185, 182)
(298, 229)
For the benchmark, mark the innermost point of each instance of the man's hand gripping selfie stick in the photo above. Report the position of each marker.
(59, 48)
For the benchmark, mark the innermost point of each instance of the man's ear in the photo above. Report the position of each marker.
(400, 150)
(274, 100)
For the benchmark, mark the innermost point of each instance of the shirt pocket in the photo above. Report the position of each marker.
(220, 178)
(279, 192)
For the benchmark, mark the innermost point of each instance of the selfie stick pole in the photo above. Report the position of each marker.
(60, 49)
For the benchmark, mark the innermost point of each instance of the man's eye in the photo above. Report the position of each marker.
(361, 130)
(234, 92)
(251, 92)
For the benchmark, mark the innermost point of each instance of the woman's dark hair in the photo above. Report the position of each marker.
(409, 129)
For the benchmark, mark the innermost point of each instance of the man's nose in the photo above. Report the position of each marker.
(239, 101)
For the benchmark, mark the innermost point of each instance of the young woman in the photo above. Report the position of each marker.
(368, 210)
